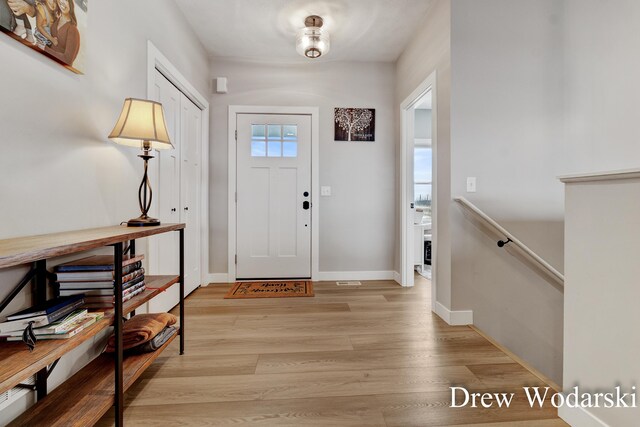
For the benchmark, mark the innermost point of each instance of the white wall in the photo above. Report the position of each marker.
(602, 86)
(429, 51)
(357, 223)
(507, 124)
(601, 296)
(507, 106)
(601, 133)
(539, 89)
(59, 171)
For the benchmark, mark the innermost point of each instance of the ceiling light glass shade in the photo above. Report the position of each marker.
(312, 42)
(141, 124)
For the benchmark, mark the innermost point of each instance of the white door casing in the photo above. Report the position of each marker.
(274, 195)
(407, 116)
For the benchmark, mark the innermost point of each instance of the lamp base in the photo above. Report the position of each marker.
(143, 222)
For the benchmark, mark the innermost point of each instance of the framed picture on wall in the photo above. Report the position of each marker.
(355, 124)
(55, 28)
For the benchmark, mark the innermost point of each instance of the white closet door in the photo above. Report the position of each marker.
(165, 248)
(178, 194)
(190, 185)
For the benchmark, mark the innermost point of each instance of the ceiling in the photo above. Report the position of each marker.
(264, 30)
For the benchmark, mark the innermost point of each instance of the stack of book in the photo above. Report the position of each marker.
(93, 277)
(40, 316)
(70, 325)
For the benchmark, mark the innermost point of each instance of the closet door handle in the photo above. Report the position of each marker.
(186, 208)
(173, 209)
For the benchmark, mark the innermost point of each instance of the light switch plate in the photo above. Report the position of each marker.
(325, 191)
(471, 184)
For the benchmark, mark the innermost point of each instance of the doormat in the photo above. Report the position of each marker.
(272, 289)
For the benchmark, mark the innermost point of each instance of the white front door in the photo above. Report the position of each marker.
(273, 211)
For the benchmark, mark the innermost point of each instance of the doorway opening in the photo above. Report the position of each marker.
(418, 185)
(423, 185)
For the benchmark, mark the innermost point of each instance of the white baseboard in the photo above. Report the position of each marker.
(580, 417)
(327, 276)
(454, 318)
(218, 278)
(397, 278)
(355, 275)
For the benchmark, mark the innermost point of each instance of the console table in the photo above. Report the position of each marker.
(84, 398)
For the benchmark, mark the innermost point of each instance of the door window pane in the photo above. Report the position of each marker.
(274, 140)
(257, 131)
(289, 149)
(274, 149)
(258, 148)
(290, 132)
(275, 131)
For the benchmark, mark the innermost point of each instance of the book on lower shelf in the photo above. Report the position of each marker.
(62, 324)
(56, 327)
(42, 315)
(71, 329)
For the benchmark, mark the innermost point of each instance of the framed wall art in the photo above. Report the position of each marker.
(355, 124)
(55, 28)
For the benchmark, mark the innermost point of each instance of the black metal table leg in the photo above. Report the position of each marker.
(40, 297)
(118, 324)
(182, 325)
(40, 294)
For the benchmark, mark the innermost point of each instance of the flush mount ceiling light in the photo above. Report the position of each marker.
(312, 41)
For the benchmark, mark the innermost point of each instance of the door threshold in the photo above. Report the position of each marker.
(274, 279)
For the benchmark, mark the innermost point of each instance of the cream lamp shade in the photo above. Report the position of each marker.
(141, 124)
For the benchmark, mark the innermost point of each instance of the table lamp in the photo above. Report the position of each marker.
(141, 124)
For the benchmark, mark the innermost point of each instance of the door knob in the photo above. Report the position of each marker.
(186, 208)
(173, 210)
(305, 205)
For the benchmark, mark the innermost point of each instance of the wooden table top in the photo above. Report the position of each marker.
(23, 250)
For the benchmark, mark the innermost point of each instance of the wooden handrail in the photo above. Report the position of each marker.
(542, 264)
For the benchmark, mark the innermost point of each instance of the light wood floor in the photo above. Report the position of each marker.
(372, 355)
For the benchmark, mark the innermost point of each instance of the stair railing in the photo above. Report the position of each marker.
(510, 239)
